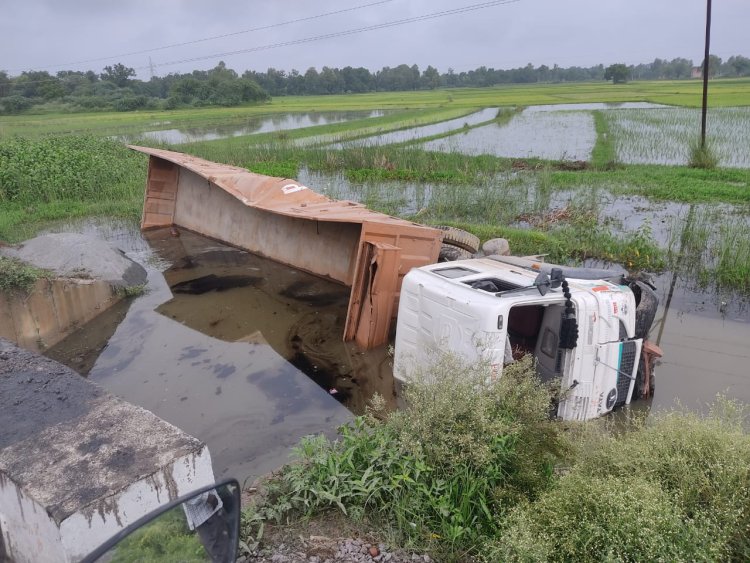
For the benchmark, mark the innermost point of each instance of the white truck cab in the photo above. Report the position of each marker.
(493, 307)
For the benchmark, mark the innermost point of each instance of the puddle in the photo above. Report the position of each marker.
(252, 126)
(415, 133)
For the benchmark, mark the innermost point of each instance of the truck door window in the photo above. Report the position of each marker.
(455, 272)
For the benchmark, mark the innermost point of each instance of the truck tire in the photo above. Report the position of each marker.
(460, 238)
(646, 305)
(450, 253)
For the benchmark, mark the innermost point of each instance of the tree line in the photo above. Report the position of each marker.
(116, 88)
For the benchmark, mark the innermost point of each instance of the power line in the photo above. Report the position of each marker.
(214, 37)
(394, 23)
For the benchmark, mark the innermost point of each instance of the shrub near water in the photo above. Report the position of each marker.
(444, 471)
(68, 168)
(676, 490)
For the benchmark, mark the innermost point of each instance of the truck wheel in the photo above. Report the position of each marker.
(460, 238)
(645, 311)
(450, 253)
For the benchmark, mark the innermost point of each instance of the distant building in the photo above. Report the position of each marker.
(696, 72)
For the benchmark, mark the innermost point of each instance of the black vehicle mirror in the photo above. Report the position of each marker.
(542, 283)
(201, 526)
(556, 278)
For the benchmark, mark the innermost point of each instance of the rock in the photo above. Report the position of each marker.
(374, 551)
(497, 246)
(79, 256)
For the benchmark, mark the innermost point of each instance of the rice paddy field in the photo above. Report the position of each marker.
(581, 172)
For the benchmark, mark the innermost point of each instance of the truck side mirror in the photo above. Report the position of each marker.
(542, 283)
(201, 526)
(556, 278)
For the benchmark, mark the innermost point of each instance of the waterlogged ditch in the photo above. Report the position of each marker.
(237, 350)
(245, 353)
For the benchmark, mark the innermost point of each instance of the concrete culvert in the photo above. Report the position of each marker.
(460, 238)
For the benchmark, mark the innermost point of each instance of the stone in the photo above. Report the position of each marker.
(498, 246)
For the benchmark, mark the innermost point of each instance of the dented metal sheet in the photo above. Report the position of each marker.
(285, 220)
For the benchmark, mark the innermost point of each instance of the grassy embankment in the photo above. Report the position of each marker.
(473, 471)
(66, 177)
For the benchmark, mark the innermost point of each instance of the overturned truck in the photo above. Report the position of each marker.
(585, 327)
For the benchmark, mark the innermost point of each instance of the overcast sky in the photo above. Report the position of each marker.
(53, 34)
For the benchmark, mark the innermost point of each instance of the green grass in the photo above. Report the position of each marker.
(18, 277)
(62, 177)
(603, 155)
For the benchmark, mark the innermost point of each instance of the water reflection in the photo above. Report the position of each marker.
(415, 133)
(241, 352)
(253, 126)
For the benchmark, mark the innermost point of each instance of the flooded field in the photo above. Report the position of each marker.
(664, 136)
(415, 133)
(254, 126)
(643, 133)
(552, 135)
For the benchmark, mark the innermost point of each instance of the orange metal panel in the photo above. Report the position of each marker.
(371, 318)
(382, 248)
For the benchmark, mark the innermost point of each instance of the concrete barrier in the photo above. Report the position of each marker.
(78, 464)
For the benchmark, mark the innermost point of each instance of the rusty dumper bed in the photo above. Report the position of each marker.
(286, 221)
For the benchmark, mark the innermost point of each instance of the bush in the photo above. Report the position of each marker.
(683, 481)
(609, 518)
(445, 470)
(17, 276)
(702, 156)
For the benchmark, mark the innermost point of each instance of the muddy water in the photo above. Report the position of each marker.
(239, 351)
(706, 343)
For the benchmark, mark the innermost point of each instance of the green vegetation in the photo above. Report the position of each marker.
(56, 177)
(474, 471)
(702, 156)
(724, 93)
(439, 472)
(17, 276)
(165, 539)
(617, 73)
(674, 490)
(603, 155)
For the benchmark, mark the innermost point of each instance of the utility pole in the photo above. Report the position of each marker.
(151, 67)
(705, 74)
